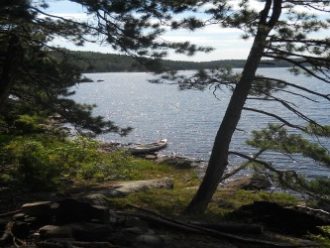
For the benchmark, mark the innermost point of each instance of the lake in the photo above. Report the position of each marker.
(189, 119)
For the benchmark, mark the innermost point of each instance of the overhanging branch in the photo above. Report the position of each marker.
(289, 124)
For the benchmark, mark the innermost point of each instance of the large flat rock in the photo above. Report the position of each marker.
(128, 187)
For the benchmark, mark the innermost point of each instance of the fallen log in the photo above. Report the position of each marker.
(232, 227)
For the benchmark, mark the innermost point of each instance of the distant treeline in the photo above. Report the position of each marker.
(99, 62)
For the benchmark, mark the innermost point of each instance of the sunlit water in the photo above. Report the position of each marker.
(189, 119)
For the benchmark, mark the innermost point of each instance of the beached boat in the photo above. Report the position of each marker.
(148, 148)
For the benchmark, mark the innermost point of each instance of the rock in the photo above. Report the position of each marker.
(134, 230)
(177, 161)
(147, 240)
(96, 199)
(37, 209)
(125, 188)
(51, 231)
(91, 232)
(287, 220)
(254, 182)
(3, 223)
(135, 222)
(71, 210)
(54, 243)
(20, 229)
(150, 156)
(34, 221)
(85, 80)
(19, 216)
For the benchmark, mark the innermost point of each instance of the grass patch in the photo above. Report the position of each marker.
(173, 201)
(169, 201)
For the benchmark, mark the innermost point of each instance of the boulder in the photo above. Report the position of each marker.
(52, 231)
(150, 156)
(37, 209)
(85, 80)
(178, 161)
(286, 220)
(20, 229)
(91, 231)
(135, 222)
(71, 210)
(253, 182)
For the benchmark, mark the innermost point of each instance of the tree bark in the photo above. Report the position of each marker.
(6, 76)
(219, 156)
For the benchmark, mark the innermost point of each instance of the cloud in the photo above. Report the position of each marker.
(70, 16)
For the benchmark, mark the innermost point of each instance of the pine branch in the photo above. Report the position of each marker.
(326, 96)
(276, 117)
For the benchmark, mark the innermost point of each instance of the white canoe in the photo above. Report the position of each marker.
(148, 148)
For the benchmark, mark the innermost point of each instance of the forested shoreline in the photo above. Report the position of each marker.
(90, 62)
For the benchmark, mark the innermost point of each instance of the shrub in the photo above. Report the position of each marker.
(42, 161)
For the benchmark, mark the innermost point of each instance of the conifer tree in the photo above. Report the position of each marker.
(285, 30)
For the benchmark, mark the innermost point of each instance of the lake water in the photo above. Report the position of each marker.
(189, 119)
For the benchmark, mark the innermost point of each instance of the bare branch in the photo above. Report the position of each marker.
(281, 175)
(326, 96)
(276, 117)
(241, 167)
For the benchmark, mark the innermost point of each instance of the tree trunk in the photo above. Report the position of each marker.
(6, 76)
(219, 156)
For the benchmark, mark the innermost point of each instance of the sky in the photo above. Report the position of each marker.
(227, 43)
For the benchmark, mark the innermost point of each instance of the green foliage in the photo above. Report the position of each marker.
(318, 130)
(320, 186)
(30, 164)
(276, 137)
(28, 123)
(43, 162)
(318, 189)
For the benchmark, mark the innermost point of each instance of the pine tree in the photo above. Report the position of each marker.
(283, 30)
